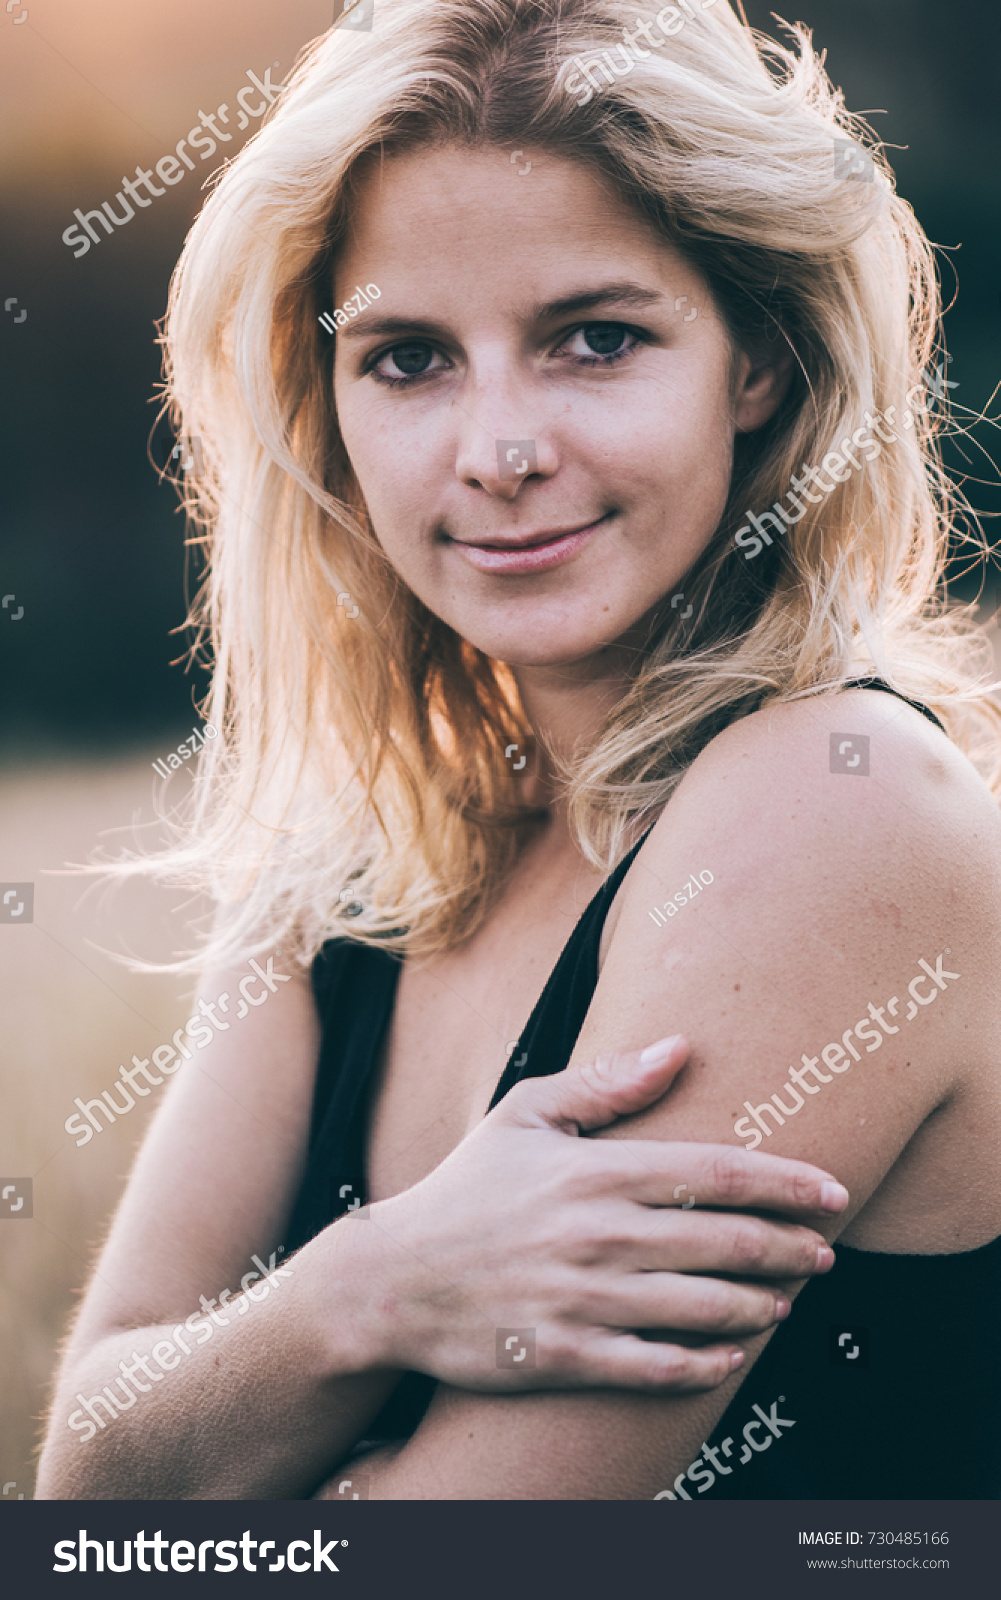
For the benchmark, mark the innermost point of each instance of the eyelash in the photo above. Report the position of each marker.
(406, 380)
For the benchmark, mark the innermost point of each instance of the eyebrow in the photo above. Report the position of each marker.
(628, 294)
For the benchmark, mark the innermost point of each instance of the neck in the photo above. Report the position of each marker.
(566, 705)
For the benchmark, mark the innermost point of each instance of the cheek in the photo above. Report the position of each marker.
(673, 430)
(395, 487)
(359, 430)
(678, 460)
(391, 468)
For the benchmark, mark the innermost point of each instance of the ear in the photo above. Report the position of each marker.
(762, 384)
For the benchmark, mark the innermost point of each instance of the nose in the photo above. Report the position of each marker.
(501, 444)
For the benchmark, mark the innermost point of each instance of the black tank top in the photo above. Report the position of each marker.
(884, 1383)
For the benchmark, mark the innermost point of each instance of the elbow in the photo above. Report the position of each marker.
(65, 1472)
(81, 1443)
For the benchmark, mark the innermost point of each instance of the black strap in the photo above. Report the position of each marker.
(879, 683)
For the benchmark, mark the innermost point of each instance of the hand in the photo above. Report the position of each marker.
(527, 1226)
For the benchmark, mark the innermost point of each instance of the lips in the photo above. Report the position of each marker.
(530, 552)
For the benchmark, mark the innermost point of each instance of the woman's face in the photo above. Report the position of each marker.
(540, 407)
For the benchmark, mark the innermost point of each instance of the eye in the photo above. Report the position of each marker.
(600, 343)
(403, 362)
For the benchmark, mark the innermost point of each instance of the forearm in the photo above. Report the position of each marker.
(283, 1387)
(543, 1445)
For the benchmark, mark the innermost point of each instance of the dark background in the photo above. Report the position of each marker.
(91, 543)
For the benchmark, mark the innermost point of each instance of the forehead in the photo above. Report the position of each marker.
(471, 209)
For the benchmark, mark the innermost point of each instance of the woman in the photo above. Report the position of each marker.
(497, 679)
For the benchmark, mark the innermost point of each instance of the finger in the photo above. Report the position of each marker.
(658, 1173)
(621, 1360)
(720, 1242)
(745, 1247)
(687, 1303)
(596, 1092)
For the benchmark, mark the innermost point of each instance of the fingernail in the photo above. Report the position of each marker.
(736, 1360)
(833, 1196)
(782, 1309)
(655, 1053)
(825, 1257)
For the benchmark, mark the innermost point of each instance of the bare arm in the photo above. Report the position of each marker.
(212, 1188)
(284, 1383)
(826, 893)
(276, 1374)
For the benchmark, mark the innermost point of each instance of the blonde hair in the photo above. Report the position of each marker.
(359, 786)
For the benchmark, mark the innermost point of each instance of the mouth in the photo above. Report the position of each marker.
(529, 552)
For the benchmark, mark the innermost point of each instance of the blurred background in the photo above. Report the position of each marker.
(91, 545)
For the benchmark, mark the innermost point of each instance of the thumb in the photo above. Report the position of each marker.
(597, 1092)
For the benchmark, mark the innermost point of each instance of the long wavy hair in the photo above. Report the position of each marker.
(358, 787)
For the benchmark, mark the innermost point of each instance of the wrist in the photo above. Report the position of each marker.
(360, 1298)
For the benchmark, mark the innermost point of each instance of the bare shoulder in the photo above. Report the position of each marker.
(818, 910)
(844, 759)
(852, 810)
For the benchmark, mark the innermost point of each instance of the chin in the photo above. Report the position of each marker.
(539, 643)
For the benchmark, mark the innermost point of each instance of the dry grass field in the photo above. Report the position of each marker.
(70, 1015)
